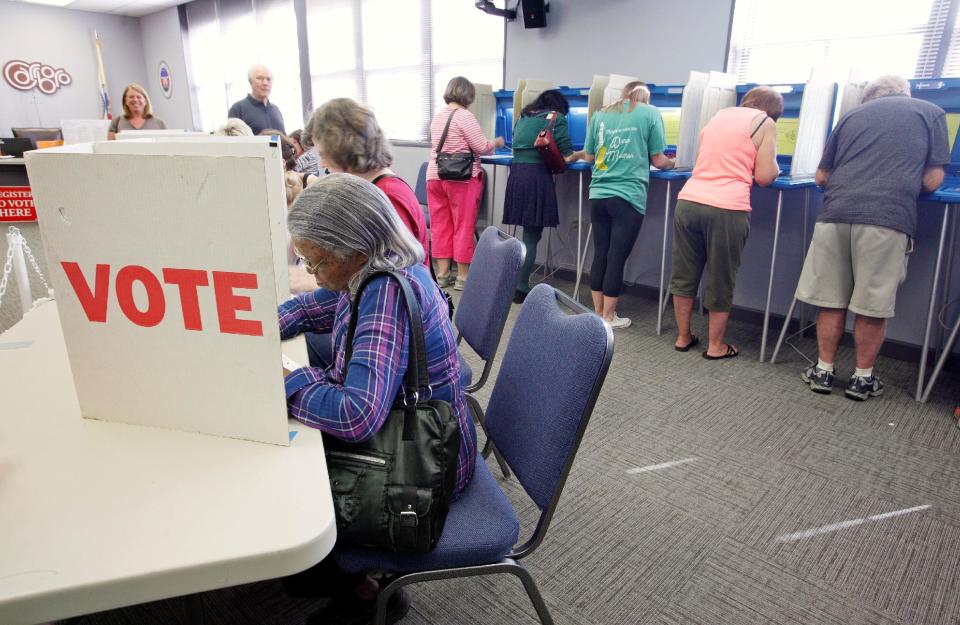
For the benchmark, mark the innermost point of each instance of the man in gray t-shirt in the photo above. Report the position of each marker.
(874, 166)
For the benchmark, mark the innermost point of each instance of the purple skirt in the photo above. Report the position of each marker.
(531, 199)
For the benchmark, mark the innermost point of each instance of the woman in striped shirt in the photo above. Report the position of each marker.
(343, 228)
(455, 204)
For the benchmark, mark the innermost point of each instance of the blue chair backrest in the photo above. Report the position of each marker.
(483, 307)
(421, 189)
(552, 371)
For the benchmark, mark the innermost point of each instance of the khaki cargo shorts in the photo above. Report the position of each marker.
(855, 266)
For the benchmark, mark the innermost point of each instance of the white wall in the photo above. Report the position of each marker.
(64, 38)
(659, 42)
(162, 42)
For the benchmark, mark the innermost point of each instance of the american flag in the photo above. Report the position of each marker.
(104, 95)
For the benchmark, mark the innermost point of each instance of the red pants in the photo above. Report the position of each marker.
(454, 206)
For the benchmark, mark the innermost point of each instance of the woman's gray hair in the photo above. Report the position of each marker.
(348, 136)
(884, 86)
(345, 214)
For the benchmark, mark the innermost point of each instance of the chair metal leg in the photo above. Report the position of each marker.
(543, 613)
(488, 445)
(507, 565)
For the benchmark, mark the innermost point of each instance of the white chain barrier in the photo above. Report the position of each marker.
(14, 263)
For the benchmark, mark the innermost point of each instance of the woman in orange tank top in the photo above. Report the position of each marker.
(737, 148)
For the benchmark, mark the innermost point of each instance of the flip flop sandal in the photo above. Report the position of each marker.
(730, 353)
(694, 340)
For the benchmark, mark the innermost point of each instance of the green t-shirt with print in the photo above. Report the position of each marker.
(622, 144)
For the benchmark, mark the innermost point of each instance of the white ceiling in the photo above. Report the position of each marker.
(133, 8)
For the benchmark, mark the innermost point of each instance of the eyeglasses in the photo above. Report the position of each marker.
(312, 267)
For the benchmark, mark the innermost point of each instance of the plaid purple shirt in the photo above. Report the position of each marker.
(353, 404)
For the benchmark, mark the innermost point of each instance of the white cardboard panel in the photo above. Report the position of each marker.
(690, 103)
(816, 113)
(158, 211)
(595, 97)
(258, 147)
(484, 108)
(531, 90)
(84, 130)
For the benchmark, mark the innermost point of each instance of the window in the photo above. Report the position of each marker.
(226, 37)
(780, 41)
(396, 56)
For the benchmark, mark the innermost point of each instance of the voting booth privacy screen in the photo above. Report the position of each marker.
(168, 262)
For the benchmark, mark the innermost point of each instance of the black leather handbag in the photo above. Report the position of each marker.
(453, 165)
(393, 491)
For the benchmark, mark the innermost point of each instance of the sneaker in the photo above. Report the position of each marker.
(860, 388)
(618, 323)
(459, 284)
(444, 279)
(820, 381)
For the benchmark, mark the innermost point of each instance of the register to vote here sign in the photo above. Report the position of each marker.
(16, 204)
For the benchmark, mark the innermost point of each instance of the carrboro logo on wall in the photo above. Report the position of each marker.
(166, 84)
(44, 78)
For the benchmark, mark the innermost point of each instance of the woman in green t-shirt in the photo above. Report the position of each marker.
(623, 140)
(531, 199)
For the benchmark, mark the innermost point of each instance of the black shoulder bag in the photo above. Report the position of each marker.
(453, 165)
(393, 491)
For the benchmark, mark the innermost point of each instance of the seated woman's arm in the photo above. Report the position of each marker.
(308, 312)
(355, 410)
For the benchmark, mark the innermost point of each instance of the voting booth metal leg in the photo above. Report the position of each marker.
(662, 300)
(941, 361)
(773, 265)
(921, 375)
(576, 286)
(793, 303)
(947, 277)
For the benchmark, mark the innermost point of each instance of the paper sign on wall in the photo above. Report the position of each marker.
(167, 281)
(16, 204)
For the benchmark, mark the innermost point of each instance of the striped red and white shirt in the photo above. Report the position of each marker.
(465, 135)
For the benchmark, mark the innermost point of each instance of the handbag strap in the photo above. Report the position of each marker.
(552, 118)
(416, 376)
(446, 129)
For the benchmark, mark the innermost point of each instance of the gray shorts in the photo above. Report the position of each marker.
(854, 266)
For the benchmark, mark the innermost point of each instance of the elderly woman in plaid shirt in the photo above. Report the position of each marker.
(343, 228)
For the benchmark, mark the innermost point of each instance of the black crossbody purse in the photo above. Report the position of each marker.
(453, 165)
(393, 491)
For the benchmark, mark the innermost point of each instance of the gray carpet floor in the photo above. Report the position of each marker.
(716, 493)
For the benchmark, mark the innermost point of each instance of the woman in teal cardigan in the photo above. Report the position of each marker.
(531, 200)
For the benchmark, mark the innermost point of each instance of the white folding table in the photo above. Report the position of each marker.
(97, 515)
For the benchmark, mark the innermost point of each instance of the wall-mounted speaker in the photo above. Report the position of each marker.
(534, 13)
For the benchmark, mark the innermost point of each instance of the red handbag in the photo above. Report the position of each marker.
(547, 147)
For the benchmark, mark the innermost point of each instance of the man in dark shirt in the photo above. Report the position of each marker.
(255, 109)
(877, 160)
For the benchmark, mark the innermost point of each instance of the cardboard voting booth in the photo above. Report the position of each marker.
(527, 91)
(595, 95)
(168, 262)
(816, 118)
(484, 108)
(615, 85)
(703, 95)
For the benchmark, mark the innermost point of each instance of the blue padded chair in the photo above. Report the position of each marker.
(483, 308)
(421, 191)
(552, 372)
